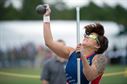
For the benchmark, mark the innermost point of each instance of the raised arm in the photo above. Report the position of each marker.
(56, 47)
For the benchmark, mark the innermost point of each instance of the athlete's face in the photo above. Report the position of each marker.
(91, 40)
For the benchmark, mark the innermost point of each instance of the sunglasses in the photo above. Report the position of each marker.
(92, 36)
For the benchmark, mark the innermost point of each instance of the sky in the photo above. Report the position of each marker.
(74, 3)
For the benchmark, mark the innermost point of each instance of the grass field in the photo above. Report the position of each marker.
(113, 75)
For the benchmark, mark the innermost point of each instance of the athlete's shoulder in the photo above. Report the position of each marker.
(100, 62)
(100, 57)
(70, 49)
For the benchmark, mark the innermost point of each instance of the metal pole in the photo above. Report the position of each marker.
(78, 41)
(78, 24)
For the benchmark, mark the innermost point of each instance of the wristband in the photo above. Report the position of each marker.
(46, 18)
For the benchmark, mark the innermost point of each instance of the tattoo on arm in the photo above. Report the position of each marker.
(99, 62)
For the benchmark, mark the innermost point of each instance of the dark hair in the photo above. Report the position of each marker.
(96, 28)
(99, 29)
(103, 44)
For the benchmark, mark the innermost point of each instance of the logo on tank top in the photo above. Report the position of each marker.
(88, 60)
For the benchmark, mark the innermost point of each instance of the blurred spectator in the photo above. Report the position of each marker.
(40, 56)
(116, 56)
(31, 53)
(126, 54)
(1, 58)
(53, 70)
(48, 54)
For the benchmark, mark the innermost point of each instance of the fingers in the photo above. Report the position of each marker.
(79, 45)
(48, 10)
(47, 6)
(78, 48)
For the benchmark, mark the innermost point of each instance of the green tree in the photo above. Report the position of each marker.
(28, 10)
(60, 11)
(2, 9)
(11, 13)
